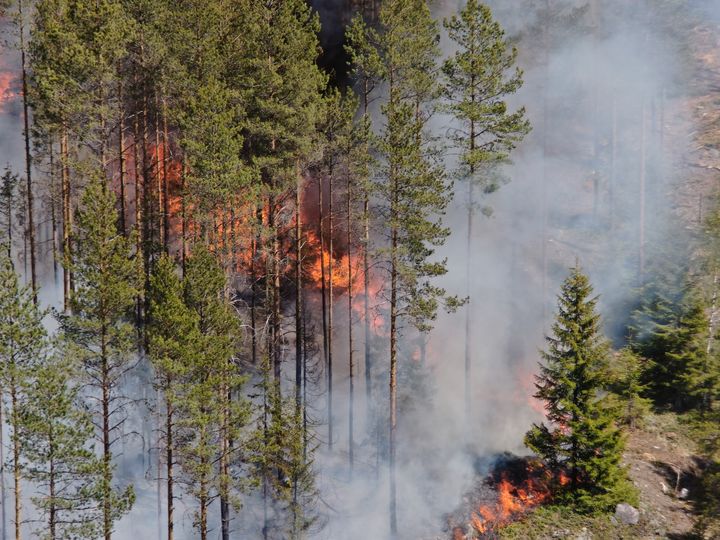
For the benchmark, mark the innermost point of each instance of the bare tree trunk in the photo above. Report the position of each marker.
(28, 155)
(139, 196)
(16, 456)
(330, 311)
(121, 161)
(643, 172)
(53, 213)
(613, 161)
(298, 292)
(393, 383)
(107, 456)
(169, 469)
(67, 217)
(351, 364)
(3, 492)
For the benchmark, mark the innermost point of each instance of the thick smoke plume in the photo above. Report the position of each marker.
(602, 100)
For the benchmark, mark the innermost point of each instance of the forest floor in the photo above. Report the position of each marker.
(662, 461)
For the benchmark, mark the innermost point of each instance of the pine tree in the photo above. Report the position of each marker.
(8, 201)
(100, 329)
(282, 464)
(581, 438)
(173, 343)
(479, 77)
(210, 408)
(412, 187)
(23, 343)
(58, 456)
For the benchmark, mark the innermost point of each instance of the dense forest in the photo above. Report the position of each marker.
(359, 269)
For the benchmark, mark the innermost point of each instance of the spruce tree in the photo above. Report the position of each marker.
(100, 330)
(581, 438)
(58, 456)
(23, 343)
(479, 77)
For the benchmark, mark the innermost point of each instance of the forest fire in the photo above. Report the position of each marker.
(8, 92)
(513, 488)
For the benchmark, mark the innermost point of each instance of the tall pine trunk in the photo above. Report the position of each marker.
(298, 292)
(351, 363)
(330, 310)
(169, 465)
(121, 160)
(28, 155)
(15, 413)
(107, 456)
(67, 216)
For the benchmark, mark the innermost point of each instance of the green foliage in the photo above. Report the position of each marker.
(9, 199)
(624, 381)
(99, 329)
(197, 360)
(74, 55)
(581, 438)
(479, 76)
(670, 330)
(57, 455)
(281, 459)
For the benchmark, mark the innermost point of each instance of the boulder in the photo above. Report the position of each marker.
(627, 514)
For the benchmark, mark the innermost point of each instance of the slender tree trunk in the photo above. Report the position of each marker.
(67, 217)
(393, 380)
(53, 214)
(469, 269)
(253, 282)
(366, 271)
(121, 161)
(107, 456)
(203, 511)
(3, 492)
(643, 171)
(16, 455)
(52, 492)
(160, 170)
(166, 180)
(351, 363)
(139, 196)
(323, 293)
(330, 310)
(298, 291)
(613, 161)
(28, 155)
(169, 468)
(225, 466)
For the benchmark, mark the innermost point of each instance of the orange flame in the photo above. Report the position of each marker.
(8, 92)
(513, 501)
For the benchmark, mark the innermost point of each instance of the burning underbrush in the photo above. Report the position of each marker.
(511, 489)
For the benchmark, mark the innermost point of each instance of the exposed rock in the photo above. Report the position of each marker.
(627, 514)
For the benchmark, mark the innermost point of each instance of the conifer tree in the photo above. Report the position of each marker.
(100, 330)
(210, 409)
(173, 343)
(628, 391)
(23, 343)
(479, 77)
(8, 201)
(412, 186)
(58, 456)
(581, 437)
(282, 464)
(670, 330)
